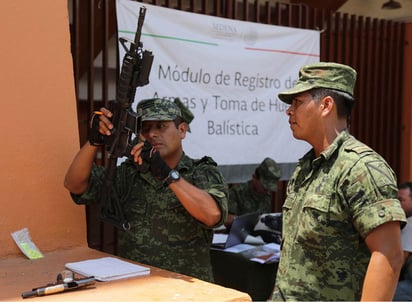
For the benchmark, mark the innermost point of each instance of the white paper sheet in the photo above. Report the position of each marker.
(107, 268)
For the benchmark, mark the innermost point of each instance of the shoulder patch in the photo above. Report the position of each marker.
(381, 173)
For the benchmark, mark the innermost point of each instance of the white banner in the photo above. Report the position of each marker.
(228, 73)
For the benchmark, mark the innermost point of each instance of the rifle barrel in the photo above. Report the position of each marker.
(142, 14)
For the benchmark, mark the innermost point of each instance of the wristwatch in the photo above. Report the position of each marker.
(173, 176)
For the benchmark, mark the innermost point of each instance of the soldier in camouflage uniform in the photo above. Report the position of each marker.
(171, 218)
(254, 195)
(341, 217)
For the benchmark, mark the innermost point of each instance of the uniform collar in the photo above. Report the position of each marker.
(330, 150)
(185, 163)
(337, 142)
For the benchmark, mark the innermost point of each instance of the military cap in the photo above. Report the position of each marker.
(187, 115)
(269, 173)
(322, 75)
(158, 109)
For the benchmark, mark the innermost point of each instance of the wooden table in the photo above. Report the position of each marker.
(18, 275)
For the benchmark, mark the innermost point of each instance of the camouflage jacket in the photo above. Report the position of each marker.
(332, 203)
(163, 233)
(243, 200)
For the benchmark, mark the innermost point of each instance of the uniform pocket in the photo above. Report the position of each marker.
(314, 229)
(182, 227)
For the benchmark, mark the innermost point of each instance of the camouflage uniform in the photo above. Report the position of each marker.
(243, 199)
(163, 233)
(333, 202)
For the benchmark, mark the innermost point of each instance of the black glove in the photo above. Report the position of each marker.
(95, 137)
(158, 167)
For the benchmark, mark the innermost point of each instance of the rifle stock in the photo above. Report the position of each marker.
(134, 73)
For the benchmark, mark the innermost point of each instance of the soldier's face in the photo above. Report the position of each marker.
(164, 136)
(259, 188)
(262, 189)
(404, 196)
(304, 116)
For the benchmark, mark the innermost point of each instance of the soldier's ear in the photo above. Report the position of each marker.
(327, 104)
(183, 127)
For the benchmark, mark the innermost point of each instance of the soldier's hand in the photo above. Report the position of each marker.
(100, 125)
(105, 124)
(157, 165)
(135, 152)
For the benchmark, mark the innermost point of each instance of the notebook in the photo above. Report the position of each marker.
(241, 227)
(108, 268)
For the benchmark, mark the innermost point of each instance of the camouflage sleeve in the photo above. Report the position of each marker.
(91, 195)
(233, 205)
(371, 193)
(208, 177)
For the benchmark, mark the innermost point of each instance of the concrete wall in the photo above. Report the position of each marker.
(39, 132)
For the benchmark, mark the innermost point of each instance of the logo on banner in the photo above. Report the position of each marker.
(224, 31)
(251, 37)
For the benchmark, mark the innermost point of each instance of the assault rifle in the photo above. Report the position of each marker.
(58, 287)
(135, 71)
